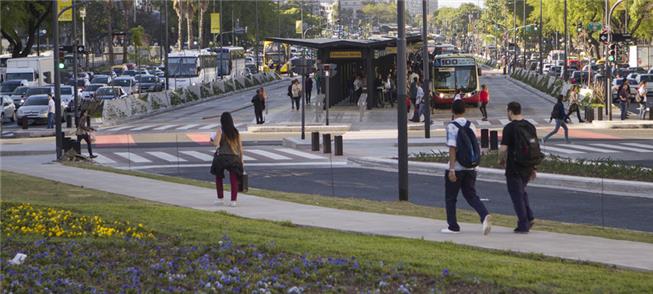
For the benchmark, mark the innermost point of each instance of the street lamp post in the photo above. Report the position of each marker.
(74, 39)
(402, 128)
(564, 65)
(514, 36)
(57, 85)
(523, 34)
(425, 74)
(541, 29)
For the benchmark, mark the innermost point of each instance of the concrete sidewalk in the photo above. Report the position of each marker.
(625, 254)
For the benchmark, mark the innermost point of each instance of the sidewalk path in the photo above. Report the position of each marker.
(625, 254)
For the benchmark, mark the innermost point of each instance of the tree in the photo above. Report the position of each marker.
(203, 7)
(137, 38)
(22, 19)
(191, 7)
(377, 13)
(180, 9)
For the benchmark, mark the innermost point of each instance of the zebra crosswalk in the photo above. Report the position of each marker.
(204, 155)
(596, 148)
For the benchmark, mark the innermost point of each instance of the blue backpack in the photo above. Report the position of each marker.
(468, 152)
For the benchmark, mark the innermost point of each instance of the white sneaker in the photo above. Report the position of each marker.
(233, 204)
(487, 224)
(219, 202)
(447, 231)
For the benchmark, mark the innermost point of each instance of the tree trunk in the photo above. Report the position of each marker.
(200, 29)
(189, 25)
(111, 57)
(124, 37)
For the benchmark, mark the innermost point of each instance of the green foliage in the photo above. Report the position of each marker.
(190, 96)
(176, 97)
(21, 20)
(137, 35)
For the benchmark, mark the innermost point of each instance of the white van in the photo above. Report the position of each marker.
(37, 70)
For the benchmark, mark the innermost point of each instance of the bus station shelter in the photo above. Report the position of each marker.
(372, 59)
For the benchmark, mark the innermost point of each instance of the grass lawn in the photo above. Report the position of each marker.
(188, 238)
(398, 208)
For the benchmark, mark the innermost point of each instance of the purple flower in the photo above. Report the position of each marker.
(445, 272)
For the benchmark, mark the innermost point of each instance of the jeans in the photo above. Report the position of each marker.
(465, 180)
(295, 102)
(50, 120)
(483, 109)
(517, 189)
(559, 122)
(623, 108)
(86, 138)
(258, 112)
(308, 95)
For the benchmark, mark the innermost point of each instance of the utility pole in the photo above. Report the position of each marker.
(74, 39)
(425, 72)
(402, 127)
(564, 66)
(514, 36)
(57, 85)
(256, 36)
(523, 33)
(166, 43)
(541, 29)
(301, 9)
(221, 41)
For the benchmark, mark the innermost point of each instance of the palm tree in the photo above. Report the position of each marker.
(204, 6)
(191, 6)
(180, 9)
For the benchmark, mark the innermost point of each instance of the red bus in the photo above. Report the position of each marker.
(455, 72)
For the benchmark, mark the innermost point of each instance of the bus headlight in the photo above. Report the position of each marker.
(194, 84)
(468, 95)
(441, 95)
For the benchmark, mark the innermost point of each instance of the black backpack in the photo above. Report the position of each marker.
(468, 152)
(527, 151)
(290, 91)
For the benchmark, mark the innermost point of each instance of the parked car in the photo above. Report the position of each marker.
(39, 90)
(89, 92)
(159, 73)
(67, 95)
(149, 83)
(18, 96)
(142, 71)
(9, 86)
(555, 70)
(8, 109)
(129, 72)
(118, 69)
(127, 83)
(35, 109)
(101, 79)
(110, 92)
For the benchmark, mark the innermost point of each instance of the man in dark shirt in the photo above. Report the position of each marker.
(517, 176)
(259, 105)
(308, 81)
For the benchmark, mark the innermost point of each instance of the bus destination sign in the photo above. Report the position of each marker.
(454, 61)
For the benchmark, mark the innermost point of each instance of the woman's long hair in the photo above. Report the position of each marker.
(229, 132)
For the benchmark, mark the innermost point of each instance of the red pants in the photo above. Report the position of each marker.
(233, 179)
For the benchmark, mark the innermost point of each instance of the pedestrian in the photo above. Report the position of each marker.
(520, 154)
(484, 99)
(413, 91)
(558, 113)
(641, 99)
(318, 85)
(574, 105)
(464, 156)
(458, 95)
(358, 89)
(296, 93)
(51, 110)
(309, 88)
(289, 93)
(624, 93)
(85, 132)
(259, 105)
(417, 113)
(228, 156)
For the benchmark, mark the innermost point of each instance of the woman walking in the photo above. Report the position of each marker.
(574, 105)
(84, 132)
(228, 156)
(558, 114)
(642, 99)
(296, 93)
(485, 99)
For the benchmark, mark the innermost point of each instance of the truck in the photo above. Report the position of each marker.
(641, 56)
(37, 70)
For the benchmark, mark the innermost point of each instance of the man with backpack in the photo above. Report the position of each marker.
(464, 157)
(520, 154)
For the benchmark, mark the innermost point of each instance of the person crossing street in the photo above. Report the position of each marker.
(560, 117)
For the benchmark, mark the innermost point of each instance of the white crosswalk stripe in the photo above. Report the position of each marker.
(299, 153)
(119, 128)
(143, 128)
(645, 146)
(267, 154)
(199, 155)
(588, 148)
(186, 127)
(560, 150)
(483, 122)
(532, 121)
(166, 156)
(132, 157)
(504, 121)
(101, 159)
(164, 127)
(619, 147)
(247, 158)
(209, 127)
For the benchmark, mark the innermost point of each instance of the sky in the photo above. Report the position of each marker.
(456, 3)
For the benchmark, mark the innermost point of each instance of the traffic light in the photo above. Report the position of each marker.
(61, 58)
(612, 53)
(579, 27)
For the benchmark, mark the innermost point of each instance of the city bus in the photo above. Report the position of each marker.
(231, 61)
(276, 56)
(191, 67)
(455, 72)
(441, 49)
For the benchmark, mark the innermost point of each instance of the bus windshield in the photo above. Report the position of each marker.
(458, 77)
(182, 67)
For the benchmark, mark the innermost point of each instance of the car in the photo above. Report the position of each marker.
(118, 69)
(649, 83)
(546, 67)
(126, 82)
(159, 73)
(9, 86)
(66, 95)
(89, 92)
(142, 71)
(18, 96)
(8, 109)
(130, 66)
(35, 109)
(110, 92)
(149, 83)
(129, 72)
(101, 79)
(83, 75)
(555, 71)
(81, 83)
(39, 90)
(578, 77)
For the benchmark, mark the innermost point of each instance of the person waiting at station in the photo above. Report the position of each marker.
(259, 105)
(358, 89)
(296, 92)
(308, 86)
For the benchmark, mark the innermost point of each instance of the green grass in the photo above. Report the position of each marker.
(397, 207)
(189, 226)
(601, 168)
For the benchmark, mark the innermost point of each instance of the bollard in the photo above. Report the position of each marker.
(600, 113)
(337, 141)
(485, 143)
(315, 141)
(23, 123)
(326, 143)
(650, 113)
(69, 121)
(494, 140)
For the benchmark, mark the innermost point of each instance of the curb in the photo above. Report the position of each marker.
(108, 123)
(565, 182)
(298, 128)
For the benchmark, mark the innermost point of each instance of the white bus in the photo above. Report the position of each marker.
(231, 61)
(191, 67)
(3, 66)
